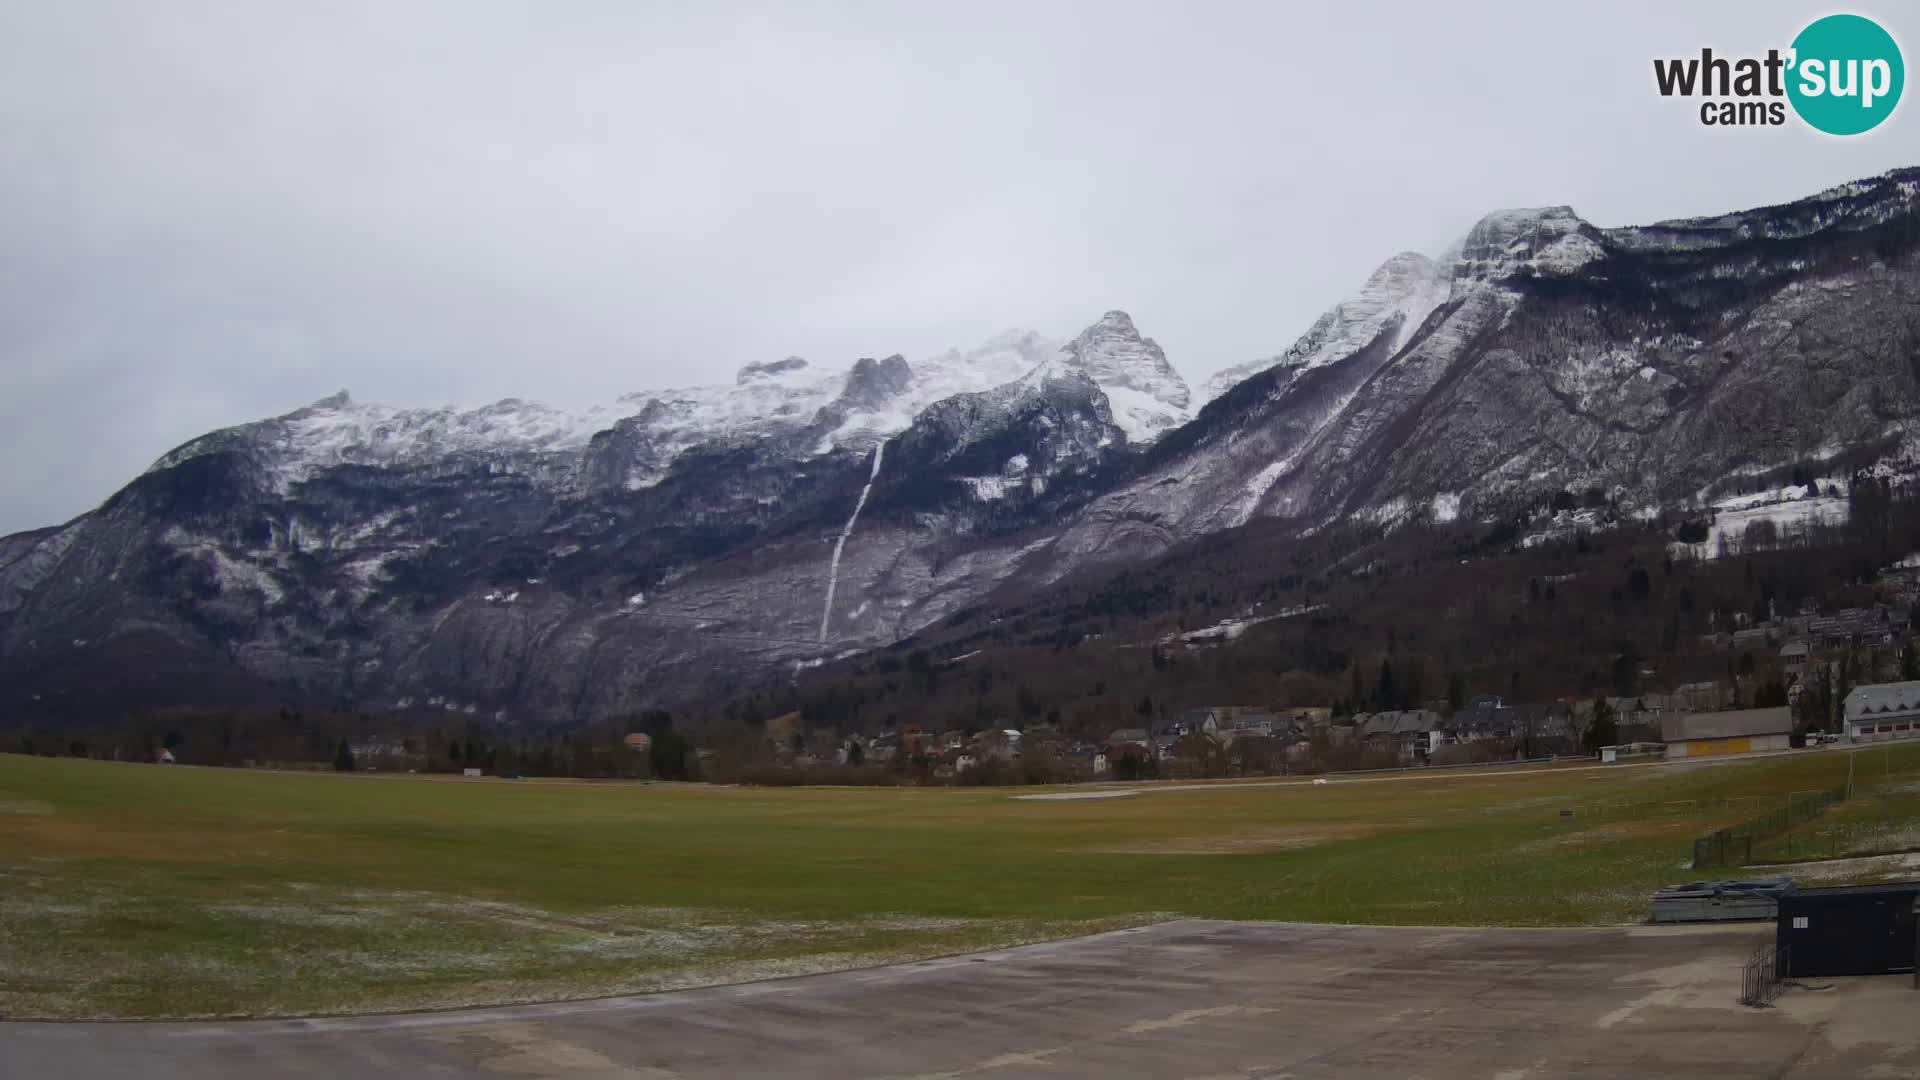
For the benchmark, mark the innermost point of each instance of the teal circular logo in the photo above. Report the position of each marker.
(1846, 75)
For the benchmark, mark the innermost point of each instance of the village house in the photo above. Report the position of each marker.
(378, 747)
(1875, 626)
(1247, 722)
(1794, 656)
(996, 744)
(1540, 730)
(785, 734)
(1488, 717)
(1196, 755)
(1902, 582)
(1364, 727)
(1244, 718)
(1699, 696)
(1407, 732)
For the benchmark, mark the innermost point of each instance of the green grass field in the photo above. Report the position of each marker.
(144, 891)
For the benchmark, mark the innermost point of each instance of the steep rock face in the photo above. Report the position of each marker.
(1037, 440)
(1398, 296)
(873, 383)
(1654, 362)
(961, 499)
(867, 406)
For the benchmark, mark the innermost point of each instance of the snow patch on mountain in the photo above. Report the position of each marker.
(1263, 482)
(337, 430)
(27, 559)
(1548, 241)
(232, 575)
(1402, 293)
(1147, 396)
(990, 488)
(856, 409)
(1790, 510)
(1002, 359)
(1408, 288)
(1856, 204)
(1257, 488)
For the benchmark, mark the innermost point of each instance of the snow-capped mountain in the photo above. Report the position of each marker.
(1401, 294)
(1543, 353)
(522, 562)
(350, 546)
(1148, 397)
(837, 409)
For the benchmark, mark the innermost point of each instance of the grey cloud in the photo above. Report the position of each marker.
(213, 212)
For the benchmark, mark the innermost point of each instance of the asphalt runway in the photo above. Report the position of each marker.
(1187, 999)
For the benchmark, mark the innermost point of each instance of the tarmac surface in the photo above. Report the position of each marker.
(1189, 1000)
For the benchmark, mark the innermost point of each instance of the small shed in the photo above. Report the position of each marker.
(1736, 731)
(1847, 930)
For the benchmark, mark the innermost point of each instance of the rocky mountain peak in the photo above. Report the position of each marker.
(872, 382)
(1147, 395)
(1114, 354)
(1549, 240)
(1404, 268)
(1398, 296)
(763, 369)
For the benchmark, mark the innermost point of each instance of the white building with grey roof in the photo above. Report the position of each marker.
(1882, 711)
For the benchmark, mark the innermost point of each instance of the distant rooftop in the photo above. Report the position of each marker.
(1883, 698)
(1727, 725)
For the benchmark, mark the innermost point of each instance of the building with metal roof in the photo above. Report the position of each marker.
(1882, 711)
(1735, 731)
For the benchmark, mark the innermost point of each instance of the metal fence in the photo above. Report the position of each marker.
(1734, 846)
(1851, 839)
(1723, 848)
(1760, 979)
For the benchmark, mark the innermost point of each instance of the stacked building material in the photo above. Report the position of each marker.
(1720, 901)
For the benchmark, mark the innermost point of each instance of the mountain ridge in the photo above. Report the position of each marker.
(521, 562)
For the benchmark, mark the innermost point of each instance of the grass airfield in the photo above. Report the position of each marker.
(134, 891)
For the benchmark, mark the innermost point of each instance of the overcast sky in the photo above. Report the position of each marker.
(211, 213)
